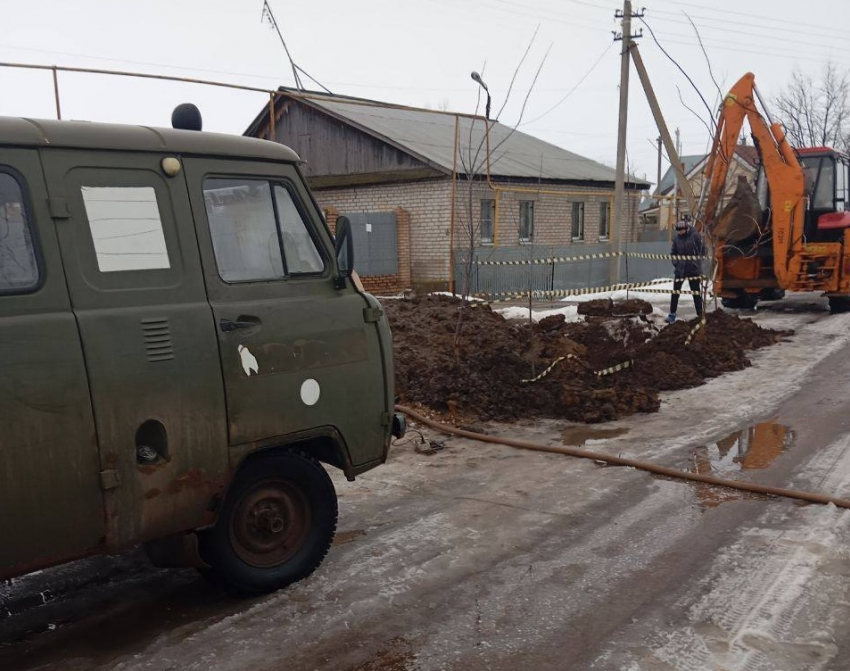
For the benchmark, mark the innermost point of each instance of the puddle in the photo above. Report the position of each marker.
(752, 448)
(585, 435)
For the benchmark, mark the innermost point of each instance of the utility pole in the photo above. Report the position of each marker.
(620, 179)
(672, 151)
(658, 174)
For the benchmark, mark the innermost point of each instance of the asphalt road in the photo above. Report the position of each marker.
(478, 556)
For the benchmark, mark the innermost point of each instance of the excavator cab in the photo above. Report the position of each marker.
(827, 176)
(826, 217)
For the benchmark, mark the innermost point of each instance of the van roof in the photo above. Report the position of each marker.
(18, 132)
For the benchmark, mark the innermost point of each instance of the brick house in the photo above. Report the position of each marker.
(667, 203)
(419, 185)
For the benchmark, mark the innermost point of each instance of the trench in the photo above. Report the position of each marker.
(666, 471)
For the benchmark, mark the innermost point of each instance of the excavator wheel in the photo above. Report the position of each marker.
(839, 304)
(742, 301)
(772, 294)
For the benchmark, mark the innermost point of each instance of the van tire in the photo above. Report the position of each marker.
(275, 527)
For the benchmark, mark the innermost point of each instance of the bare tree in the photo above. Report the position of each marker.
(483, 148)
(816, 112)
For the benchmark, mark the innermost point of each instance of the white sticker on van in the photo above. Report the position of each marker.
(249, 361)
(310, 392)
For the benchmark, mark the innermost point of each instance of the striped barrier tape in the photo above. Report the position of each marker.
(693, 331)
(590, 257)
(615, 369)
(672, 257)
(681, 292)
(550, 368)
(598, 373)
(564, 293)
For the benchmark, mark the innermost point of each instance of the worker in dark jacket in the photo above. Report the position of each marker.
(686, 243)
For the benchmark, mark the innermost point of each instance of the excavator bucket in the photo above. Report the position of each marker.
(741, 218)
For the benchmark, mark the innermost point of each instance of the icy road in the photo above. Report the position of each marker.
(478, 556)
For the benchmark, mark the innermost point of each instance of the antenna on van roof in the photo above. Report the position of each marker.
(186, 116)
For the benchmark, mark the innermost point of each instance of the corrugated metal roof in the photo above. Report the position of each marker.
(747, 153)
(669, 179)
(430, 136)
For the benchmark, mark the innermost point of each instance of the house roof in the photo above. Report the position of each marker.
(745, 153)
(429, 135)
(669, 179)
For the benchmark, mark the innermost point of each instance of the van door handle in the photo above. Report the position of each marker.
(243, 322)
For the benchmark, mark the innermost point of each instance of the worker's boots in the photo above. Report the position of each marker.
(671, 317)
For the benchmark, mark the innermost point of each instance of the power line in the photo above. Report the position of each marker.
(759, 17)
(727, 30)
(572, 90)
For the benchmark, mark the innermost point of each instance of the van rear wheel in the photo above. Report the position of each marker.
(275, 527)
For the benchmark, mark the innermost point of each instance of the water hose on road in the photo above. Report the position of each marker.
(619, 461)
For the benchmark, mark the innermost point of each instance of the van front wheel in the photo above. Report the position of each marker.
(275, 527)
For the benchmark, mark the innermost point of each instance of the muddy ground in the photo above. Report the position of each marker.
(469, 363)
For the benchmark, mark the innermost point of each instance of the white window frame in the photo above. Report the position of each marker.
(577, 221)
(490, 205)
(526, 221)
(605, 209)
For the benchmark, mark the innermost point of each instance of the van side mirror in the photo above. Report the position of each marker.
(344, 244)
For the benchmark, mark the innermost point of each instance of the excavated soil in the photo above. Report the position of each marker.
(468, 362)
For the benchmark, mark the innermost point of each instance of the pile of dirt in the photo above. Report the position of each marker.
(455, 358)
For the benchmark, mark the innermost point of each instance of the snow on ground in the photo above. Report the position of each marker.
(659, 297)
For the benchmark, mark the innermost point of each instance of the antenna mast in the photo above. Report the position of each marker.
(269, 16)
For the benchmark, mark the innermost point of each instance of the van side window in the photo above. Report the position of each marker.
(126, 228)
(19, 271)
(258, 232)
(298, 247)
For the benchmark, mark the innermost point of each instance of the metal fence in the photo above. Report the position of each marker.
(496, 271)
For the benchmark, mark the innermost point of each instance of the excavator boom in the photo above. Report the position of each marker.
(783, 173)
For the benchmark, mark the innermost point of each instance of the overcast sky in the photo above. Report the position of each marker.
(421, 53)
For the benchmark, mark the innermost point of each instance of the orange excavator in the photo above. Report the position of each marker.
(793, 232)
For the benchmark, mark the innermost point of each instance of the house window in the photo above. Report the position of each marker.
(578, 221)
(488, 217)
(526, 220)
(604, 220)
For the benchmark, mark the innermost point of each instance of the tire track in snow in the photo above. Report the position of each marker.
(768, 601)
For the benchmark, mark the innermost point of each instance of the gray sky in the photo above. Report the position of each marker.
(417, 53)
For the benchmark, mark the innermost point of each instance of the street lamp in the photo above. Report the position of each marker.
(477, 78)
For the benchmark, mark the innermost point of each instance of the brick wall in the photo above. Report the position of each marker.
(427, 208)
(385, 284)
(425, 218)
(553, 212)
